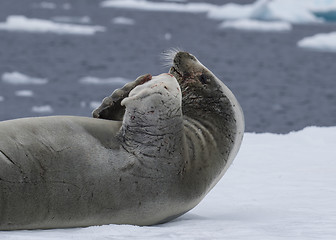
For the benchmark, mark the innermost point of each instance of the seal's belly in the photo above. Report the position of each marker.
(57, 174)
(48, 173)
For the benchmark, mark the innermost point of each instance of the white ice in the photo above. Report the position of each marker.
(42, 109)
(256, 25)
(24, 93)
(320, 42)
(51, 5)
(22, 23)
(66, 6)
(175, 0)
(94, 104)
(46, 5)
(167, 36)
(103, 81)
(2, 98)
(298, 11)
(279, 187)
(159, 6)
(123, 21)
(17, 78)
(67, 19)
(284, 10)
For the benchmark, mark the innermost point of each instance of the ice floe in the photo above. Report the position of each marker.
(327, 15)
(279, 187)
(123, 21)
(94, 104)
(320, 42)
(159, 6)
(255, 25)
(22, 23)
(66, 6)
(167, 36)
(17, 78)
(46, 5)
(175, 0)
(103, 81)
(298, 11)
(52, 6)
(67, 19)
(42, 109)
(24, 93)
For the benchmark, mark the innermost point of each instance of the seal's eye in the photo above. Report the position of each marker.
(203, 79)
(192, 57)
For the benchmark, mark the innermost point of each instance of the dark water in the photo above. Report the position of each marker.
(280, 86)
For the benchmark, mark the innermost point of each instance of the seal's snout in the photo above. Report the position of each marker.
(186, 68)
(183, 61)
(183, 56)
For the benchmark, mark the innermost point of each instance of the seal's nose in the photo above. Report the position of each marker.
(183, 56)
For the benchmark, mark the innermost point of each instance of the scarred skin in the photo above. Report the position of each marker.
(153, 150)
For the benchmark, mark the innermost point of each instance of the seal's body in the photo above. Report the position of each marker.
(162, 146)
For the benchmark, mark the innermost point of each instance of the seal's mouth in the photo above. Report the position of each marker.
(186, 69)
(182, 76)
(175, 73)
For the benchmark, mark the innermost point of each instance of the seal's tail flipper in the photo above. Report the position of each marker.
(111, 108)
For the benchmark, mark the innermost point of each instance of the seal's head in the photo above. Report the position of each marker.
(201, 89)
(190, 72)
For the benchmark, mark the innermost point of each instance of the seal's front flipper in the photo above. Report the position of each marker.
(111, 108)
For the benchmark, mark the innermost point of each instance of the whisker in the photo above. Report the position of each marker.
(168, 56)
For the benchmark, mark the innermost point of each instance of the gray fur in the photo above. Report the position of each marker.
(154, 165)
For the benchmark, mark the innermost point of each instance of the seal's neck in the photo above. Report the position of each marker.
(210, 130)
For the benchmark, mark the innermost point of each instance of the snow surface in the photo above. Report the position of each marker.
(123, 21)
(22, 23)
(103, 81)
(320, 42)
(17, 78)
(255, 25)
(42, 109)
(24, 93)
(278, 187)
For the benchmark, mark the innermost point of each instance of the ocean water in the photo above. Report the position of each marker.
(281, 87)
